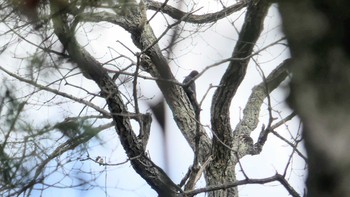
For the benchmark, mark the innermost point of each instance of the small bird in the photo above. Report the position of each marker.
(190, 88)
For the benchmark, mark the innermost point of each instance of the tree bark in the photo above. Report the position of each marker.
(318, 35)
(222, 168)
(92, 69)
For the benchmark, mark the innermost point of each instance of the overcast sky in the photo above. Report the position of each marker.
(200, 50)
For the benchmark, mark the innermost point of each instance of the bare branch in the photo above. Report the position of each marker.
(220, 113)
(274, 178)
(104, 163)
(252, 109)
(71, 97)
(206, 18)
(294, 146)
(284, 120)
(68, 145)
(217, 148)
(143, 165)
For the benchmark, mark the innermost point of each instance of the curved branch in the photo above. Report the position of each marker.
(93, 69)
(251, 111)
(220, 114)
(205, 18)
(153, 61)
(144, 38)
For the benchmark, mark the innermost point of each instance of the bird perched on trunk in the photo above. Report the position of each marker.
(190, 89)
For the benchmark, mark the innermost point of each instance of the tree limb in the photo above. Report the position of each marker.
(276, 177)
(252, 109)
(53, 91)
(192, 18)
(232, 78)
(145, 167)
(157, 65)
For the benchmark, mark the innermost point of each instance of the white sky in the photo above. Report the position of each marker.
(213, 44)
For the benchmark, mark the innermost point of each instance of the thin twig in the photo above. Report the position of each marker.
(42, 87)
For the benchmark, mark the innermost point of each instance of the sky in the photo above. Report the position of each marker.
(214, 43)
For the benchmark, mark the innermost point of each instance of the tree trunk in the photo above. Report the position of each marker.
(227, 142)
(318, 34)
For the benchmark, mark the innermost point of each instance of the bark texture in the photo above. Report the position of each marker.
(318, 34)
(217, 156)
(222, 169)
(92, 69)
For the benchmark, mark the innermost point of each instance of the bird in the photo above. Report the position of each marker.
(190, 88)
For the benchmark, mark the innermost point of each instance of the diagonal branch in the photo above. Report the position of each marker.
(220, 113)
(156, 64)
(143, 165)
(252, 109)
(61, 149)
(293, 146)
(192, 18)
(144, 38)
(56, 92)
